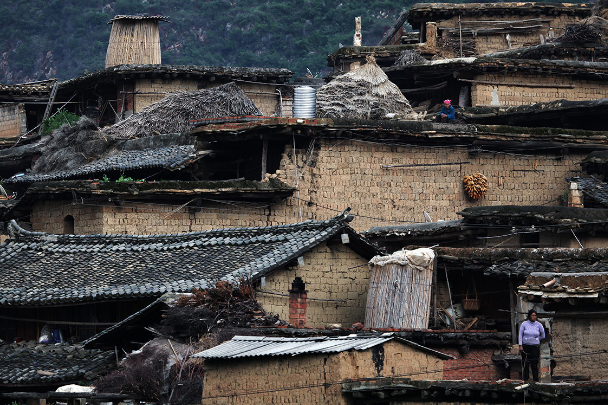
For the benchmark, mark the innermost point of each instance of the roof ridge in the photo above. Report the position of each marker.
(18, 233)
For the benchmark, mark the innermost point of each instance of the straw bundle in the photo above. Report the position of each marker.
(175, 112)
(400, 288)
(71, 146)
(134, 41)
(365, 93)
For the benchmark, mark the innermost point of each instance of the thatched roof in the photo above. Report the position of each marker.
(365, 93)
(175, 112)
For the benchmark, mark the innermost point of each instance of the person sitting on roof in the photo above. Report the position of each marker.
(447, 113)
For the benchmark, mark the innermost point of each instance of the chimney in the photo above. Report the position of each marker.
(297, 303)
(134, 40)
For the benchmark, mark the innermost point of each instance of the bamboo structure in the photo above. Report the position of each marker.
(134, 40)
(400, 290)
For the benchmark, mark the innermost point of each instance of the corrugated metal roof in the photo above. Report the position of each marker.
(258, 346)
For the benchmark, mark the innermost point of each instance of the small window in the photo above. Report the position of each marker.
(68, 225)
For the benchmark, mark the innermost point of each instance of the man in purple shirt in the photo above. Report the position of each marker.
(531, 332)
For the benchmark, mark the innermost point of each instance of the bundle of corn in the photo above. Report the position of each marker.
(408, 57)
(365, 93)
(475, 185)
(175, 112)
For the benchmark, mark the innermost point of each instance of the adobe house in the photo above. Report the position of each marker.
(388, 175)
(483, 28)
(22, 108)
(248, 369)
(86, 283)
(573, 298)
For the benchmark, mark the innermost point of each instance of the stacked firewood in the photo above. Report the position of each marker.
(475, 185)
(221, 306)
(469, 46)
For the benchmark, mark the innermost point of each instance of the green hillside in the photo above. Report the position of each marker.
(63, 38)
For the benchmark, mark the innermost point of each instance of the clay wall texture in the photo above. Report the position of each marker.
(488, 43)
(345, 173)
(267, 380)
(155, 90)
(507, 93)
(578, 345)
(265, 96)
(330, 273)
(13, 121)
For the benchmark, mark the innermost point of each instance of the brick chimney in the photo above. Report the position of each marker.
(297, 303)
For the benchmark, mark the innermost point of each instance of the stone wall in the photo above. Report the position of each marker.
(504, 91)
(578, 347)
(330, 273)
(488, 43)
(345, 173)
(276, 379)
(13, 121)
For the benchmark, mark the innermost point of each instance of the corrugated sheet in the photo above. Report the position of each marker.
(252, 346)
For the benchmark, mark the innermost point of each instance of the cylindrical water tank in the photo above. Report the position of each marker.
(305, 100)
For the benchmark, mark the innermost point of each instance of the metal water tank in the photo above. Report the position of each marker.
(305, 100)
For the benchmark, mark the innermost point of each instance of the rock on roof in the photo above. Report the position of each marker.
(169, 157)
(413, 230)
(21, 362)
(38, 268)
(260, 346)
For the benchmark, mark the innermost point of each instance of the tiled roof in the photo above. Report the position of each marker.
(29, 363)
(27, 88)
(592, 188)
(39, 268)
(169, 157)
(520, 262)
(423, 228)
(140, 17)
(260, 346)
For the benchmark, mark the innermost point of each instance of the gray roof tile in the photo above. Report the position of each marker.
(169, 157)
(39, 268)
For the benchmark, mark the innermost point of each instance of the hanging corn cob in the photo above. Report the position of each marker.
(475, 185)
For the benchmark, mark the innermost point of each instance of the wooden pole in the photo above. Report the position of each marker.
(460, 32)
(264, 156)
(435, 290)
(513, 305)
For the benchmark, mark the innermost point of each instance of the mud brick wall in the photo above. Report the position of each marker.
(508, 93)
(345, 173)
(50, 214)
(160, 88)
(488, 43)
(13, 121)
(577, 347)
(265, 97)
(275, 379)
(330, 273)
(474, 366)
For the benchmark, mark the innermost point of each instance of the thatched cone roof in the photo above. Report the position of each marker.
(175, 112)
(365, 93)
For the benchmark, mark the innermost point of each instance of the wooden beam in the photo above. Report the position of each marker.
(49, 106)
(513, 306)
(519, 84)
(10, 318)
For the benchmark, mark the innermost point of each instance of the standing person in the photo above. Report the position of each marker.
(531, 332)
(447, 113)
